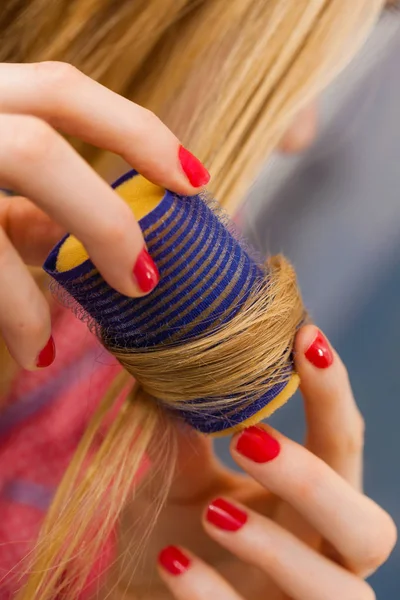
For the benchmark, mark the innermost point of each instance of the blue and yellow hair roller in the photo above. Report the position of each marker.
(208, 277)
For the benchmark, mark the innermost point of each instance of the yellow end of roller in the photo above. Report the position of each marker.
(281, 399)
(142, 197)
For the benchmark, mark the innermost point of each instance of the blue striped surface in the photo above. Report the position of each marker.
(206, 275)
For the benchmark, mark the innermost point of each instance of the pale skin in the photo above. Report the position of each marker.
(320, 504)
(65, 193)
(311, 533)
(60, 192)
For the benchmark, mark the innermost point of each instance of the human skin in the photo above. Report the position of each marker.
(35, 100)
(32, 226)
(32, 108)
(310, 533)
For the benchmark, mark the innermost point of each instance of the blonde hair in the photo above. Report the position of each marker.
(227, 78)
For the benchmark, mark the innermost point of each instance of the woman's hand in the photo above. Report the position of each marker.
(304, 531)
(60, 192)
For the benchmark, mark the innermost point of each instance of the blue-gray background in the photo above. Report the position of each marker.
(335, 212)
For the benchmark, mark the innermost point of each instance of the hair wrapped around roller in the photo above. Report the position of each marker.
(213, 341)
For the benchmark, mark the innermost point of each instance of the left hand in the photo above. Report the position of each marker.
(299, 527)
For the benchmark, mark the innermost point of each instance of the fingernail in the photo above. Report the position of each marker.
(173, 560)
(146, 272)
(257, 445)
(225, 516)
(194, 170)
(319, 354)
(47, 355)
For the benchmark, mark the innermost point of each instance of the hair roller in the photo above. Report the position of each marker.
(212, 342)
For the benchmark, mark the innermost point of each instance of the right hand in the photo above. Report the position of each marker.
(297, 526)
(60, 192)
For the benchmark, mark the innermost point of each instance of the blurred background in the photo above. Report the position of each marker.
(335, 212)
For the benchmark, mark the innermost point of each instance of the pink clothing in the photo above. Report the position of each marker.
(41, 423)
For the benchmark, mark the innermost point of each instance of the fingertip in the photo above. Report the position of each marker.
(44, 358)
(181, 186)
(304, 338)
(312, 348)
(224, 515)
(132, 272)
(145, 272)
(179, 171)
(258, 443)
(18, 360)
(195, 172)
(47, 355)
(172, 560)
(30, 342)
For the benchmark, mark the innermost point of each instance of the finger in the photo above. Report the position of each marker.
(298, 571)
(29, 229)
(189, 578)
(302, 132)
(361, 531)
(24, 313)
(335, 428)
(79, 106)
(63, 185)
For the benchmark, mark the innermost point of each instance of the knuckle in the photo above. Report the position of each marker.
(365, 592)
(349, 441)
(50, 73)
(116, 231)
(368, 593)
(357, 589)
(352, 442)
(345, 444)
(381, 544)
(148, 120)
(360, 425)
(31, 140)
(391, 534)
(358, 437)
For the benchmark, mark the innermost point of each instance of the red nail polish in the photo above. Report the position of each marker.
(146, 272)
(319, 354)
(225, 516)
(47, 355)
(194, 170)
(258, 445)
(173, 560)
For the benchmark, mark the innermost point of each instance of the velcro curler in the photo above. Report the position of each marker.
(207, 276)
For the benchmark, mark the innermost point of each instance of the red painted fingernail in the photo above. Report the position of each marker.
(319, 353)
(146, 272)
(194, 170)
(225, 516)
(47, 355)
(258, 445)
(173, 560)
